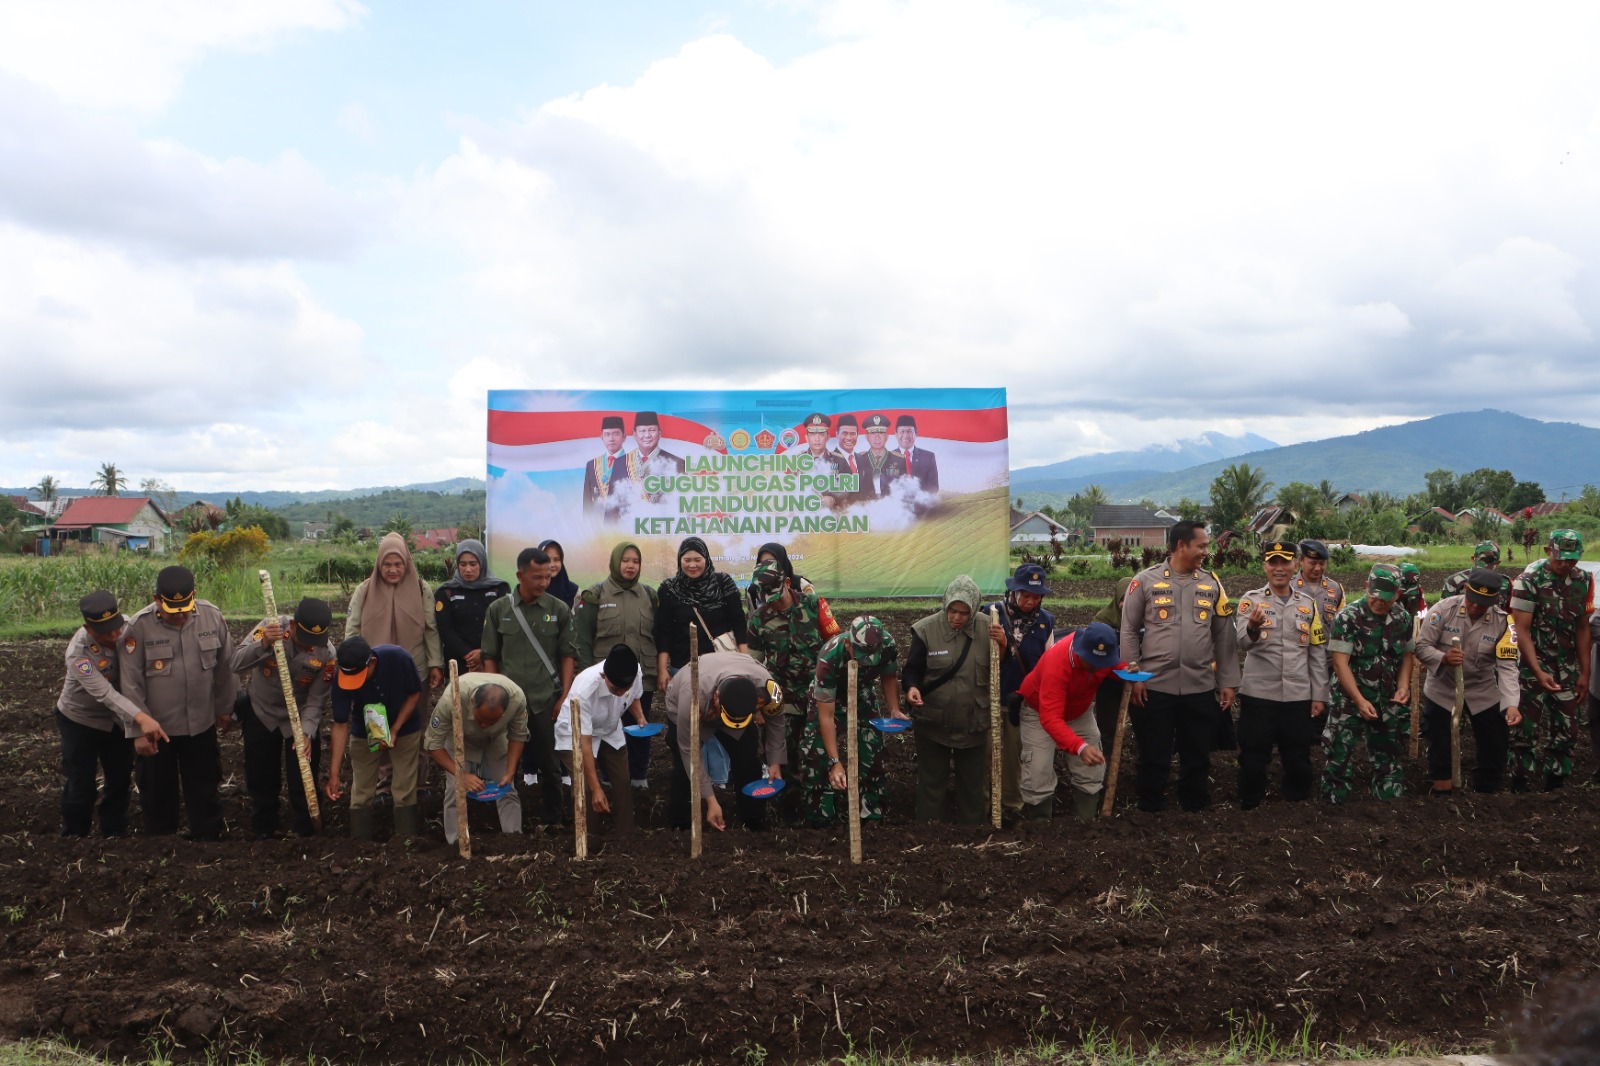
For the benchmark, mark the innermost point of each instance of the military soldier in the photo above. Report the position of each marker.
(91, 716)
(1488, 661)
(910, 461)
(172, 667)
(846, 460)
(787, 629)
(1485, 556)
(868, 642)
(1177, 622)
(1411, 594)
(1550, 605)
(877, 455)
(1285, 685)
(1371, 644)
(269, 755)
(600, 474)
(528, 636)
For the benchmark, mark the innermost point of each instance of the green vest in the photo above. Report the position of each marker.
(956, 714)
(618, 616)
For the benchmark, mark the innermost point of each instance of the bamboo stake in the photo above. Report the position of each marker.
(994, 726)
(1455, 718)
(695, 756)
(1116, 745)
(580, 786)
(459, 736)
(852, 762)
(307, 784)
(1416, 692)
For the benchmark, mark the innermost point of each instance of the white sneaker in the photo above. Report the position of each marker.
(641, 782)
(530, 779)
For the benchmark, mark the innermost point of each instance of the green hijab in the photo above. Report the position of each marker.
(616, 566)
(1111, 613)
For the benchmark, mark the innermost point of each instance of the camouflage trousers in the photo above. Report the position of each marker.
(824, 805)
(1557, 719)
(1385, 739)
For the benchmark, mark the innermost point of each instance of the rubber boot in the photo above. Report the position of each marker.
(1085, 805)
(361, 823)
(1038, 812)
(407, 823)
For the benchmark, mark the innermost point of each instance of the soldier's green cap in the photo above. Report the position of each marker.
(1568, 543)
(767, 577)
(1384, 581)
(1410, 575)
(1486, 551)
(870, 641)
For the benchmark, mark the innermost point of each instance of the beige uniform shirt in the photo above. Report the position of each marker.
(1288, 662)
(1328, 593)
(1180, 627)
(482, 744)
(310, 669)
(89, 696)
(714, 670)
(1489, 650)
(179, 676)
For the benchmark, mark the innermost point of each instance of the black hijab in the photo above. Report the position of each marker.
(562, 587)
(707, 590)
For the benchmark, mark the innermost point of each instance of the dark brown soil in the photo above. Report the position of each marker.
(1415, 920)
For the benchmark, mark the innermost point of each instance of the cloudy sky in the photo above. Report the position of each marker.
(290, 243)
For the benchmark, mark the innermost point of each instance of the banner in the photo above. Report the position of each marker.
(873, 492)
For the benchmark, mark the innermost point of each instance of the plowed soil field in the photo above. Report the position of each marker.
(1414, 920)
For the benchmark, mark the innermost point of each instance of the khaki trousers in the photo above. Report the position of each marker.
(1038, 757)
(509, 806)
(364, 771)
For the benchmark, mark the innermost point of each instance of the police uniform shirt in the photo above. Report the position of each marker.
(716, 668)
(89, 696)
(1328, 594)
(1288, 661)
(311, 669)
(1178, 626)
(1489, 656)
(180, 676)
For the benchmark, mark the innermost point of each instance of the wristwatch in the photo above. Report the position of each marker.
(832, 762)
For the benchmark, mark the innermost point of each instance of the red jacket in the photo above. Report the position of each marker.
(1061, 688)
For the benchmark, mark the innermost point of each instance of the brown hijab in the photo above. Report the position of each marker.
(394, 614)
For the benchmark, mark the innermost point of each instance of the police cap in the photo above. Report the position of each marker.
(100, 611)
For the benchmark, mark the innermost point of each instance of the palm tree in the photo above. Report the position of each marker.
(1329, 494)
(1237, 493)
(47, 488)
(109, 480)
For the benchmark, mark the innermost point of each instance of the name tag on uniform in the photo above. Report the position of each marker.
(932, 654)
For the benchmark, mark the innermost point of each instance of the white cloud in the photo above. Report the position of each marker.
(354, 119)
(115, 54)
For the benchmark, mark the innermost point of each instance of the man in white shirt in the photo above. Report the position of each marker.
(604, 692)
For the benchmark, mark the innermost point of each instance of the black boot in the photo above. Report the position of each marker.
(361, 823)
(407, 821)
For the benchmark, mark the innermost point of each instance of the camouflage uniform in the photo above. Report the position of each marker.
(787, 643)
(824, 805)
(1377, 646)
(1559, 606)
(1456, 584)
(1411, 596)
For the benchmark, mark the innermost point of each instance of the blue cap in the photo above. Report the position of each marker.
(1028, 578)
(1097, 644)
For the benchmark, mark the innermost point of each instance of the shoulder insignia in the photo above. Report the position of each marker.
(103, 663)
(1224, 605)
(1317, 636)
(438, 605)
(435, 721)
(327, 671)
(1133, 584)
(129, 644)
(1433, 618)
(316, 664)
(84, 667)
(1244, 604)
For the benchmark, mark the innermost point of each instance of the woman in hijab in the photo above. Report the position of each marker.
(1108, 699)
(947, 686)
(461, 602)
(697, 593)
(622, 610)
(562, 587)
(778, 556)
(393, 606)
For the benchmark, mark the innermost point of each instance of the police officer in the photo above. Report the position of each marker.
(1177, 622)
(1485, 556)
(269, 755)
(1550, 605)
(737, 695)
(91, 716)
(1314, 581)
(1285, 684)
(1371, 644)
(816, 427)
(1488, 661)
(174, 667)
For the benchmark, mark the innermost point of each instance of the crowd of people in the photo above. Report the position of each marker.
(1286, 665)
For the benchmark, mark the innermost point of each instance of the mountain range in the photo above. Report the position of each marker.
(1115, 468)
(273, 499)
(1560, 456)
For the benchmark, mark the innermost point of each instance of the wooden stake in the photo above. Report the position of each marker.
(1455, 718)
(580, 787)
(307, 784)
(1416, 693)
(695, 756)
(459, 736)
(852, 762)
(994, 726)
(1115, 763)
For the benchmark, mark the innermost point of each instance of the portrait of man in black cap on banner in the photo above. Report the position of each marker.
(600, 474)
